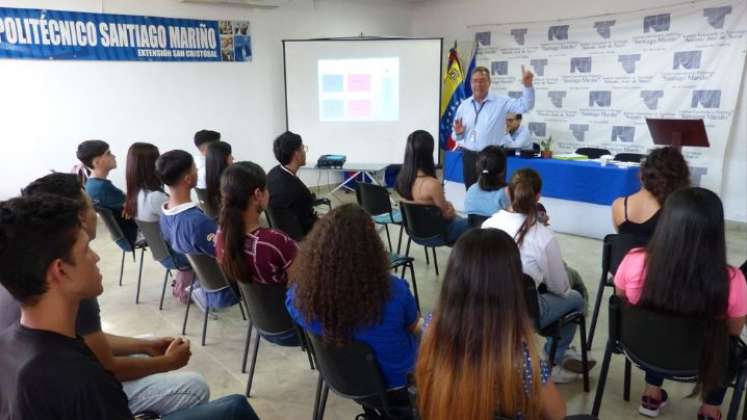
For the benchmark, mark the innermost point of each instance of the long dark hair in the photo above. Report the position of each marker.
(341, 273)
(523, 188)
(478, 336)
(418, 156)
(687, 273)
(216, 162)
(491, 163)
(237, 187)
(140, 174)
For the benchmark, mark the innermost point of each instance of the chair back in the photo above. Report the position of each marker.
(286, 221)
(615, 247)
(152, 233)
(629, 157)
(423, 222)
(476, 220)
(208, 272)
(592, 152)
(373, 198)
(115, 231)
(350, 370)
(266, 306)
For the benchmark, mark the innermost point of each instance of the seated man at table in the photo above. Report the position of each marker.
(517, 137)
(287, 191)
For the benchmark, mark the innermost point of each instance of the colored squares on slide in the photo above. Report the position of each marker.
(359, 108)
(332, 83)
(333, 109)
(359, 83)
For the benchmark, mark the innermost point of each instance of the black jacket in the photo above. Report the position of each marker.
(288, 192)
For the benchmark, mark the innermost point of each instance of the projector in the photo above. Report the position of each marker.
(330, 161)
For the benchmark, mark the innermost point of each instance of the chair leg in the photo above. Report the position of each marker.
(246, 347)
(626, 381)
(241, 308)
(435, 261)
(121, 268)
(602, 379)
(414, 284)
(388, 238)
(318, 397)
(323, 401)
(553, 349)
(204, 322)
(736, 397)
(139, 277)
(584, 355)
(427, 258)
(189, 303)
(254, 363)
(407, 254)
(595, 314)
(399, 241)
(163, 292)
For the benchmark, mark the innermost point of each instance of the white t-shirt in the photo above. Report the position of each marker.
(200, 163)
(540, 251)
(149, 204)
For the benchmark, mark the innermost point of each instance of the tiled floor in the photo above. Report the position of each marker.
(283, 384)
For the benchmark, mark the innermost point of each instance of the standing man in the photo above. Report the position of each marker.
(517, 136)
(479, 120)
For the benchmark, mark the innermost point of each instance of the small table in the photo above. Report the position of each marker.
(367, 169)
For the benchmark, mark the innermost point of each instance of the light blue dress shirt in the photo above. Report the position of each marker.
(519, 139)
(485, 125)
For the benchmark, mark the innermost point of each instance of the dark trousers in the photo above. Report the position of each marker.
(716, 397)
(469, 167)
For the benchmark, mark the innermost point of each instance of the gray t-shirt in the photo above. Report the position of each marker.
(87, 322)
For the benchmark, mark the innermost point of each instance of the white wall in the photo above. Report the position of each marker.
(450, 19)
(49, 107)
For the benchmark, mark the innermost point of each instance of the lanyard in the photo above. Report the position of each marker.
(478, 110)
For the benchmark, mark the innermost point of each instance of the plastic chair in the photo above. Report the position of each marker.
(115, 231)
(614, 248)
(352, 372)
(397, 261)
(211, 278)
(375, 200)
(629, 157)
(268, 316)
(425, 226)
(670, 345)
(476, 220)
(553, 330)
(286, 221)
(161, 252)
(592, 152)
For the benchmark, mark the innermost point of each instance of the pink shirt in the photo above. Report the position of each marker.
(630, 278)
(268, 252)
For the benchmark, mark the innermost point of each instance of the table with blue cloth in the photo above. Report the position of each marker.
(577, 193)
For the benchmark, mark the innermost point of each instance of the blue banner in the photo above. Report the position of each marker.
(64, 35)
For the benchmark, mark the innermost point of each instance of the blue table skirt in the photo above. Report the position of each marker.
(565, 179)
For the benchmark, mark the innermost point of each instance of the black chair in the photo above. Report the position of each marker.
(268, 316)
(670, 345)
(352, 372)
(425, 226)
(592, 152)
(614, 248)
(211, 278)
(286, 221)
(161, 252)
(476, 220)
(375, 200)
(531, 295)
(115, 231)
(397, 261)
(629, 157)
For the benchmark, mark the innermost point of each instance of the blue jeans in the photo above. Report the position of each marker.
(232, 407)
(552, 307)
(291, 339)
(716, 397)
(163, 393)
(455, 228)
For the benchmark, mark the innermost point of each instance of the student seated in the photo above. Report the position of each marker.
(203, 139)
(218, 158)
(246, 251)
(342, 289)
(48, 371)
(541, 260)
(96, 155)
(151, 383)
(683, 270)
(417, 183)
(287, 191)
(489, 194)
(481, 340)
(145, 196)
(663, 171)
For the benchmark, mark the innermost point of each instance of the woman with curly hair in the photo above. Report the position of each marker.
(342, 289)
(663, 171)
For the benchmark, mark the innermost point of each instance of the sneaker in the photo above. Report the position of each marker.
(572, 361)
(650, 407)
(702, 416)
(560, 375)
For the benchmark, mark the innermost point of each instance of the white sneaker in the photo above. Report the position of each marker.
(561, 375)
(572, 360)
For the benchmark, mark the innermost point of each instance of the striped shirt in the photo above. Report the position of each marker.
(268, 252)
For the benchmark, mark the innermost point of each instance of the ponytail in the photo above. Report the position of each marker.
(523, 188)
(233, 262)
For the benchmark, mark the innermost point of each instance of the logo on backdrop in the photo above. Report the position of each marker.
(499, 68)
(603, 28)
(657, 23)
(716, 16)
(687, 59)
(558, 33)
(628, 62)
(580, 64)
(538, 129)
(519, 35)
(706, 98)
(556, 97)
(483, 39)
(623, 133)
(539, 66)
(516, 94)
(601, 98)
(696, 174)
(579, 131)
(651, 98)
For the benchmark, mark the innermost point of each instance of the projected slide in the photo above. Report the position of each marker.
(360, 89)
